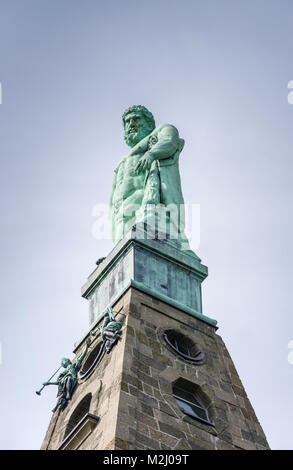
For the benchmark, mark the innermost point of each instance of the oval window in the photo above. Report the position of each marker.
(91, 361)
(183, 345)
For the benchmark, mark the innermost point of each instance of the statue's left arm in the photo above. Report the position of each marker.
(165, 147)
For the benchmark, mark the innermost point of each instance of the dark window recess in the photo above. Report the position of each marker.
(80, 411)
(183, 345)
(91, 361)
(190, 405)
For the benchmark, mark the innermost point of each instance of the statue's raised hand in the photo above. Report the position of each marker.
(144, 163)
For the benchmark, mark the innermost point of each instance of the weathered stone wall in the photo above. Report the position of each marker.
(148, 415)
(132, 387)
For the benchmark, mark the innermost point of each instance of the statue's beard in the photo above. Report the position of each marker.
(132, 138)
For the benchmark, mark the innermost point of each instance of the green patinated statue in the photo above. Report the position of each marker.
(67, 380)
(148, 178)
(110, 331)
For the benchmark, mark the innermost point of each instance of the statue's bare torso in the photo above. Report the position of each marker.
(148, 174)
(129, 193)
(129, 183)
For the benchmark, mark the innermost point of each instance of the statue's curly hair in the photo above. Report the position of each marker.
(144, 111)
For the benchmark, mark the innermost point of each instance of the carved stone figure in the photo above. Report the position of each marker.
(67, 380)
(110, 331)
(148, 176)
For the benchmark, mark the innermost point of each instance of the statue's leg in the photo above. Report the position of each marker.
(61, 404)
(145, 215)
(68, 388)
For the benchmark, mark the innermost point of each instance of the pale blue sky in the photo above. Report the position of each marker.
(218, 70)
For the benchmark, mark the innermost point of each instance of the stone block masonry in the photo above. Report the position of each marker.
(131, 388)
(148, 414)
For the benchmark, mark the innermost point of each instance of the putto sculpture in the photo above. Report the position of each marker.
(146, 184)
(110, 331)
(67, 380)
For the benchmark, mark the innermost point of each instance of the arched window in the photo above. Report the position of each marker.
(91, 361)
(190, 402)
(183, 345)
(80, 411)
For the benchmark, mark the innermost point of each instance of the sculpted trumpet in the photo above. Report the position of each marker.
(38, 392)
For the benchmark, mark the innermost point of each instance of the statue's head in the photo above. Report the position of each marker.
(138, 122)
(114, 325)
(65, 362)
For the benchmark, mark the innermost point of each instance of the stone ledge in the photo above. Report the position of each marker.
(81, 431)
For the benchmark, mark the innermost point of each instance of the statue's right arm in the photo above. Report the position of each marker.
(50, 383)
(111, 314)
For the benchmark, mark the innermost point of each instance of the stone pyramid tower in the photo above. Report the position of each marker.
(168, 381)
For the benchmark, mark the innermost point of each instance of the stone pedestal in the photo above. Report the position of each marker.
(127, 399)
(153, 266)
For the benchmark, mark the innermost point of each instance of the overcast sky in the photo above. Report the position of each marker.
(218, 71)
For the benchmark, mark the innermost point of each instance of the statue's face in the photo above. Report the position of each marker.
(136, 128)
(65, 362)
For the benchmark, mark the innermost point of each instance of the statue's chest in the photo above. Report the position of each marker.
(127, 168)
(70, 370)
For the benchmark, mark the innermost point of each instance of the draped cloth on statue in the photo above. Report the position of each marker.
(162, 188)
